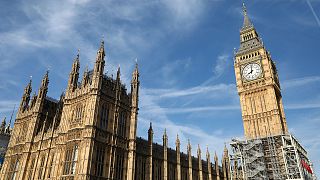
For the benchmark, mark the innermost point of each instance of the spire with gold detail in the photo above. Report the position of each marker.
(249, 38)
(246, 21)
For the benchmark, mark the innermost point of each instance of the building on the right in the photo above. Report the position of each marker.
(269, 151)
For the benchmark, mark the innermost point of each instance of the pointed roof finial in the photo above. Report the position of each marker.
(165, 136)
(150, 128)
(28, 88)
(244, 8)
(177, 140)
(189, 146)
(118, 72)
(208, 153)
(102, 41)
(199, 149)
(45, 79)
(101, 52)
(215, 156)
(14, 107)
(246, 21)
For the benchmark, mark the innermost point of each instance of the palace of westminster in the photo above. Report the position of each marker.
(90, 132)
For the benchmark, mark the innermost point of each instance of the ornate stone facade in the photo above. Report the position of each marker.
(90, 133)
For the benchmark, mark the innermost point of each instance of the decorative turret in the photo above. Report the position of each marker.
(224, 168)
(189, 160)
(165, 155)
(149, 159)
(178, 175)
(199, 163)
(44, 86)
(26, 96)
(99, 67)
(74, 74)
(226, 163)
(150, 134)
(85, 78)
(135, 86)
(118, 83)
(133, 120)
(209, 164)
(216, 166)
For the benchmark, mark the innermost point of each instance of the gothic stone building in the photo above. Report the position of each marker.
(90, 133)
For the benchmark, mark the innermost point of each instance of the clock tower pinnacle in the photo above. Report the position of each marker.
(258, 86)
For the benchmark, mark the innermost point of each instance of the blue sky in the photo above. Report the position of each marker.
(184, 51)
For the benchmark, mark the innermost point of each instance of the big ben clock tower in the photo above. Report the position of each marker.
(258, 86)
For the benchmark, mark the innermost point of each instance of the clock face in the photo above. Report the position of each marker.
(251, 71)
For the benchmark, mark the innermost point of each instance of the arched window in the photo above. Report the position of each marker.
(119, 165)
(41, 168)
(51, 166)
(122, 124)
(31, 168)
(100, 151)
(13, 169)
(71, 159)
(104, 116)
(79, 112)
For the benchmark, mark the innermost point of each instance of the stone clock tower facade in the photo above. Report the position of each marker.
(258, 86)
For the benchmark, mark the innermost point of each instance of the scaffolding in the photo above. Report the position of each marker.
(273, 162)
(296, 161)
(248, 160)
(273, 157)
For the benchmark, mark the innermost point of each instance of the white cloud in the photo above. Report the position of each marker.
(222, 63)
(303, 105)
(291, 83)
(7, 106)
(199, 109)
(173, 93)
(184, 14)
(151, 111)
